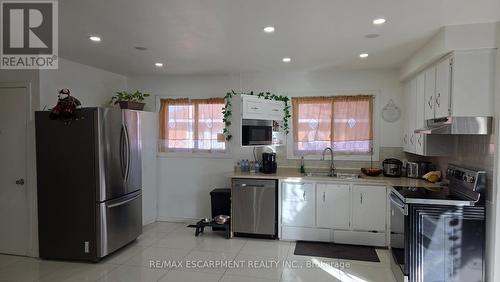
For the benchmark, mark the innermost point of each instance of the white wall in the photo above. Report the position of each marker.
(92, 86)
(184, 183)
(149, 132)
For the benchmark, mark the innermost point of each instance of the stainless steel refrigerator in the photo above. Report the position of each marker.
(88, 182)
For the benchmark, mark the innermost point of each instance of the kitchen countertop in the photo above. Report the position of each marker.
(294, 174)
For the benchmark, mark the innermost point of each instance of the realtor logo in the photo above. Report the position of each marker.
(29, 35)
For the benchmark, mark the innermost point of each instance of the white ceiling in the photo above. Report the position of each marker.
(223, 36)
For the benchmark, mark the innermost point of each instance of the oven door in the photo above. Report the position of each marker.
(257, 134)
(399, 212)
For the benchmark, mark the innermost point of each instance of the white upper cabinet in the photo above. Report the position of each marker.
(333, 205)
(461, 84)
(260, 108)
(369, 205)
(443, 88)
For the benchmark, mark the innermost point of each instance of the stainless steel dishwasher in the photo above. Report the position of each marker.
(254, 207)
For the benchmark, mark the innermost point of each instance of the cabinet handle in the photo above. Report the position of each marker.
(438, 98)
(429, 102)
(411, 139)
(420, 140)
(304, 195)
(254, 108)
(275, 110)
(405, 140)
(361, 198)
(323, 196)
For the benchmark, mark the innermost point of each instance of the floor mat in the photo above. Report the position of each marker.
(336, 251)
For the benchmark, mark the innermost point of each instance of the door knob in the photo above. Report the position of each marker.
(20, 181)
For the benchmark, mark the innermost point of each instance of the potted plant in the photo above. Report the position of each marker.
(129, 100)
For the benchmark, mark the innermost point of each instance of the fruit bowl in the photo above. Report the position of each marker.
(371, 171)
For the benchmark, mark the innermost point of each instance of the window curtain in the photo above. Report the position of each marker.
(191, 125)
(208, 124)
(341, 122)
(176, 125)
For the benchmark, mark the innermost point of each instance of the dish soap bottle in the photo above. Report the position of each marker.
(302, 165)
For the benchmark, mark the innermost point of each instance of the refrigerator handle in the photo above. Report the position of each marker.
(127, 153)
(122, 151)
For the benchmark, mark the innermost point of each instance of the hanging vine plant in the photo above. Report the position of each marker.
(227, 111)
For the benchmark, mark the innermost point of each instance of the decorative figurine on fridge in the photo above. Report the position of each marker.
(66, 106)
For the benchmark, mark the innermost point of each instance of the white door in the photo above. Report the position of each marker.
(443, 88)
(14, 201)
(298, 205)
(333, 204)
(369, 208)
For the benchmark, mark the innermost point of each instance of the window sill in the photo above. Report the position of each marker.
(187, 155)
(315, 157)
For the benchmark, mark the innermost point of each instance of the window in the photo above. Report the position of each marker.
(343, 123)
(191, 125)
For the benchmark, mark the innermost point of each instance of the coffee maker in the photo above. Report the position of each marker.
(269, 164)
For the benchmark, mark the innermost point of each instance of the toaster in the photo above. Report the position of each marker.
(417, 169)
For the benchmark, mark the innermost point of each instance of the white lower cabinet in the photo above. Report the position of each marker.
(298, 205)
(332, 204)
(369, 205)
(347, 213)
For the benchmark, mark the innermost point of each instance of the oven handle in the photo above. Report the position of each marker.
(398, 203)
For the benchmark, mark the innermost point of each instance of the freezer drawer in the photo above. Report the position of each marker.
(254, 207)
(120, 221)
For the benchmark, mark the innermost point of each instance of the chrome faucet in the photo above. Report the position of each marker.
(332, 165)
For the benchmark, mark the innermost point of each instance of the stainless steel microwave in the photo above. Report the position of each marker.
(256, 132)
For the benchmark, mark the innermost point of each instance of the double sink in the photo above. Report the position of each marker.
(337, 175)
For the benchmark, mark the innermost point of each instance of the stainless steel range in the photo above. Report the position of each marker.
(437, 234)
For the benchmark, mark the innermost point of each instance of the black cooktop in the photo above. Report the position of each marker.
(438, 195)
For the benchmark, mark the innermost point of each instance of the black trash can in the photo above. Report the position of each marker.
(221, 203)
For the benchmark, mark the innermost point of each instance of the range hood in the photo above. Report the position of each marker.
(458, 126)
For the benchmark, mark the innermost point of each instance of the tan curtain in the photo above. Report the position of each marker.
(312, 123)
(191, 125)
(352, 127)
(176, 118)
(341, 122)
(208, 124)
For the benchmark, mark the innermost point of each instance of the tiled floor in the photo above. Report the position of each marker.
(166, 241)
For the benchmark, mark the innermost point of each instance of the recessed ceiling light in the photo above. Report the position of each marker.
(159, 65)
(363, 55)
(269, 29)
(287, 60)
(95, 38)
(379, 21)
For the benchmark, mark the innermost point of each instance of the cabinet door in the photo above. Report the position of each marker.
(333, 205)
(406, 103)
(430, 92)
(254, 108)
(369, 205)
(411, 112)
(419, 117)
(274, 109)
(443, 88)
(298, 204)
